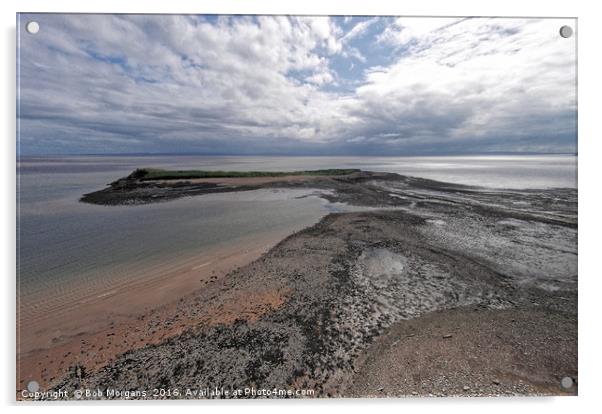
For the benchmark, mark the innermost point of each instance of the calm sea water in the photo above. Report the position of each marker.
(64, 244)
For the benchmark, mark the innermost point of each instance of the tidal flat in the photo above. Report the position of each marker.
(433, 289)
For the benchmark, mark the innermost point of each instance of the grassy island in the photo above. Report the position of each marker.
(150, 174)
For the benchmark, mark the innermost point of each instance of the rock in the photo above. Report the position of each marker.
(447, 336)
(466, 388)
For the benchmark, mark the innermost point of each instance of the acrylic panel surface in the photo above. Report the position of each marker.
(295, 206)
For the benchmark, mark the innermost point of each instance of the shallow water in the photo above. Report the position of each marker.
(63, 243)
(67, 249)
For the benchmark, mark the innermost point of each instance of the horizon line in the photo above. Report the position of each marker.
(141, 154)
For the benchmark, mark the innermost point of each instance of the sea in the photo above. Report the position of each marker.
(67, 249)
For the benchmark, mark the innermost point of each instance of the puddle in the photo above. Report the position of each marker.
(382, 265)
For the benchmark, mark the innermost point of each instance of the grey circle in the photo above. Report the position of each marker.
(566, 382)
(32, 27)
(33, 386)
(566, 31)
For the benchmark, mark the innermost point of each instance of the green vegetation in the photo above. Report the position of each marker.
(149, 174)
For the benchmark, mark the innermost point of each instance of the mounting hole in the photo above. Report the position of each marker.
(566, 31)
(32, 27)
(33, 386)
(566, 382)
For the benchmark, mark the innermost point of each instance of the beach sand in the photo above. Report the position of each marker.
(91, 330)
(472, 351)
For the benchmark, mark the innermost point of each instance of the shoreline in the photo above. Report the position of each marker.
(306, 312)
(93, 330)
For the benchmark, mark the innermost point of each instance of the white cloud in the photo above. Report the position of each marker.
(407, 29)
(506, 75)
(320, 78)
(359, 29)
(161, 83)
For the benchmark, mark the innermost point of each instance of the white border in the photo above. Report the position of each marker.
(589, 187)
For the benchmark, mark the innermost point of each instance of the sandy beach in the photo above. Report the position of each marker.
(91, 330)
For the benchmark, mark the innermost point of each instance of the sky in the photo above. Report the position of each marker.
(285, 85)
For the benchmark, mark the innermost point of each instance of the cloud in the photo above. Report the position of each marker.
(407, 29)
(277, 84)
(501, 77)
(359, 29)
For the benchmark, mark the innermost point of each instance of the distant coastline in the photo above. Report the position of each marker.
(296, 154)
(495, 171)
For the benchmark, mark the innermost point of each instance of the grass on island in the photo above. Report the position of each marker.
(149, 174)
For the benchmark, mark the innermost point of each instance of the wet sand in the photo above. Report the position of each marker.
(92, 330)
